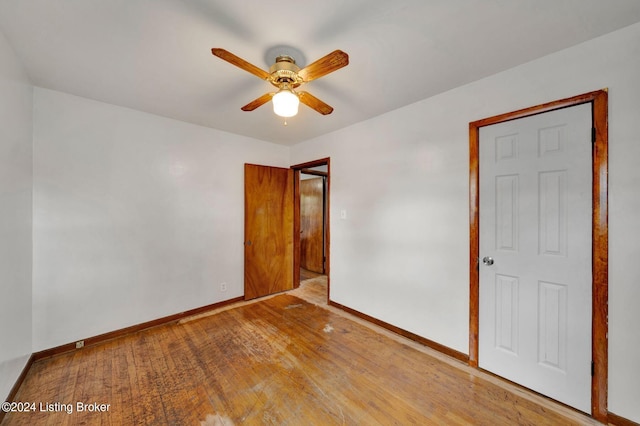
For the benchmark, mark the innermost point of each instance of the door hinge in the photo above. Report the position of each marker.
(593, 369)
(593, 135)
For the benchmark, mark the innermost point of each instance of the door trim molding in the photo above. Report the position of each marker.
(600, 235)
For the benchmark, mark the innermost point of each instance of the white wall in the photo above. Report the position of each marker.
(136, 216)
(16, 96)
(401, 255)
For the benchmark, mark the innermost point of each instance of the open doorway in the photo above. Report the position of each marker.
(311, 229)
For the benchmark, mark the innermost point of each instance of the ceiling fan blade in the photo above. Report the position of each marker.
(314, 103)
(325, 65)
(258, 102)
(240, 63)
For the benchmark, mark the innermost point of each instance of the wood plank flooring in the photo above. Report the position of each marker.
(306, 274)
(277, 361)
(313, 290)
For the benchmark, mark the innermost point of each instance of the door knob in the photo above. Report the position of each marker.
(248, 242)
(487, 260)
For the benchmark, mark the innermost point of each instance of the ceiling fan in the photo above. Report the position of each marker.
(286, 76)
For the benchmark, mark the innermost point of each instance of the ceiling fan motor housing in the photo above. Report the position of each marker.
(285, 71)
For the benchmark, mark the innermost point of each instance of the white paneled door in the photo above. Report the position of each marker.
(535, 253)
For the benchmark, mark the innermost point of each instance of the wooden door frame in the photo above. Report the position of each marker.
(600, 235)
(296, 218)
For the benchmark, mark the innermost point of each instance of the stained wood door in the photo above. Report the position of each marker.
(268, 228)
(312, 224)
(535, 253)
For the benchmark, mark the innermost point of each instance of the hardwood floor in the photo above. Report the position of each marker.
(280, 360)
(313, 290)
(306, 274)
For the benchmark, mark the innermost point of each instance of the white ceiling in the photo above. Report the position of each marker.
(155, 55)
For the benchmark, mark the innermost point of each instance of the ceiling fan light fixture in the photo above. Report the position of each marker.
(285, 103)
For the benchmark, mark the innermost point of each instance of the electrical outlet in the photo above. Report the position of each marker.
(223, 286)
(80, 344)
